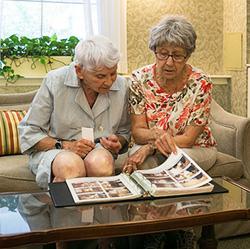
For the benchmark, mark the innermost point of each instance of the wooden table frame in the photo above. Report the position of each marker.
(131, 228)
(97, 231)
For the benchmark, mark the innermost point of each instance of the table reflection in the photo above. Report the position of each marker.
(158, 209)
(37, 212)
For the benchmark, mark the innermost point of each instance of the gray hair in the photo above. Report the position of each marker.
(96, 51)
(175, 30)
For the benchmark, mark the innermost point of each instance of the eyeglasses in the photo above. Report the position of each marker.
(175, 57)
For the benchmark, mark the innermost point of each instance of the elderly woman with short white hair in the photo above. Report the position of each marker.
(86, 94)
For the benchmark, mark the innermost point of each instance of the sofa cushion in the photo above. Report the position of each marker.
(15, 174)
(226, 165)
(9, 140)
(226, 144)
(16, 101)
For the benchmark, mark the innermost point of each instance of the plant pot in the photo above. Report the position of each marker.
(32, 67)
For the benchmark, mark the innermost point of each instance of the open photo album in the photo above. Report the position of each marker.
(178, 175)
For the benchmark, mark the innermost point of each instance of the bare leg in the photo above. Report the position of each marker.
(67, 165)
(99, 162)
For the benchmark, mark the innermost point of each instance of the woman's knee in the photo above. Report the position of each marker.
(99, 162)
(204, 157)
(67, 165)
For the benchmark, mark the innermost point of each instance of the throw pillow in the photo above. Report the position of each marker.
(9, 139)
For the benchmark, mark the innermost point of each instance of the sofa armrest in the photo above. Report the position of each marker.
(232, 134)
(14, 101)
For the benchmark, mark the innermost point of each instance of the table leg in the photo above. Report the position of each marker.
(61, 245)
(207, 239)
(49, 246)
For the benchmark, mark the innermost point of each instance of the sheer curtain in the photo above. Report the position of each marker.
(112, 23)
(1, 14)
(106, 17)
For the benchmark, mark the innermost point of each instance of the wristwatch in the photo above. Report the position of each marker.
(58, 144)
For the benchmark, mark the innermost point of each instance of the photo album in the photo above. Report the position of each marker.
(178, 175)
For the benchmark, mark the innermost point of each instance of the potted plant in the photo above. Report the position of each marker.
(16, 51)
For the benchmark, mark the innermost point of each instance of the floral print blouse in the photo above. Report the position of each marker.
(189, 106)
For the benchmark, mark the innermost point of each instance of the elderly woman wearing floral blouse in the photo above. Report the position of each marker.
(170, 100)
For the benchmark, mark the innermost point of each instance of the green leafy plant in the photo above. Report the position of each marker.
(37, 50)
(10, 202)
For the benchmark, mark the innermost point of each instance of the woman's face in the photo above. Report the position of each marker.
(170, 61)
(99, 80)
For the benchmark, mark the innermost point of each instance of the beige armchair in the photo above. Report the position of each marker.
(233, 137)
(232, 134)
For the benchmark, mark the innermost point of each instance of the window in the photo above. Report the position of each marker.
(47, 17)
(80, 18)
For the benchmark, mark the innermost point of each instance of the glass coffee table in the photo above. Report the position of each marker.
(31, 218)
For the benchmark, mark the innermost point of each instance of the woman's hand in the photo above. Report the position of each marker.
(111, 143)
(137, 159)
(166, 144)
(81, 147)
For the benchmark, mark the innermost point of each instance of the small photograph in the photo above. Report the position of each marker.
(174, 171)
(192, 169)
(112, 184)
(119, 192)
(88, 189)
(197, 180)
(159, 174)
(85, 184)
(189, 172)
(166, 179)
(179, 167)
(163, 183)
(91, 196)
(184, 162)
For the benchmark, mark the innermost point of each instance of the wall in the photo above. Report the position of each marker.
(248, 32)
(206, 16)
(208, 19)
(235, 20)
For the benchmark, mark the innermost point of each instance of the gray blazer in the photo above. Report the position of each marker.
(60, 109)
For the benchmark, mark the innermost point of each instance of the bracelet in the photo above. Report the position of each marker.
(115, 155)
(154, 152)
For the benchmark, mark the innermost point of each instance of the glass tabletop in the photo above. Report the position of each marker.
(35, 212)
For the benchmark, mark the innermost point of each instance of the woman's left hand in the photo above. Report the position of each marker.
(111, 143)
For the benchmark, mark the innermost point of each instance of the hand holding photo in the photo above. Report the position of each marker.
(88, 133)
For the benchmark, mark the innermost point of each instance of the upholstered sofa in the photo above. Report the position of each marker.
(231, 132)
